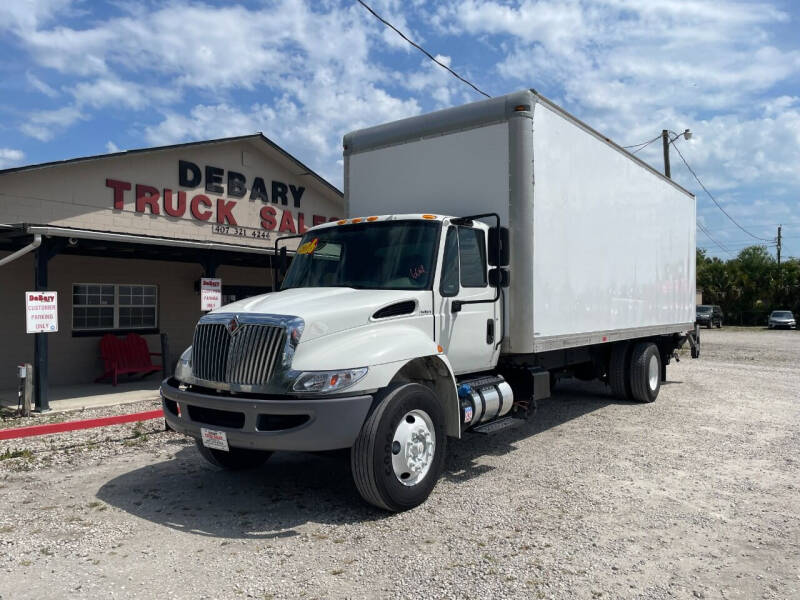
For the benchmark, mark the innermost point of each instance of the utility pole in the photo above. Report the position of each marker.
(665, 141)
(779, 245)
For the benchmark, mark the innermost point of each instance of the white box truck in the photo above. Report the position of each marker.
(490, 249)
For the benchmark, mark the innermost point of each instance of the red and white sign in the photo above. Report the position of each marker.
(41, 312)
(210, 294)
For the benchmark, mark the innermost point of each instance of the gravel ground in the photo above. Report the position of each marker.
(695, 496)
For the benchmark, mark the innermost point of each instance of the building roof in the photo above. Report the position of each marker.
(252, 136)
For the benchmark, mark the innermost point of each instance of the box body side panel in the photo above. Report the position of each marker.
(614, 244)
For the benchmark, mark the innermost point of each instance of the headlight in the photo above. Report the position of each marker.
(328, 381)
(183, 370)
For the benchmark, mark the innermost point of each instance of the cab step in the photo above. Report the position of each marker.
(495, 426)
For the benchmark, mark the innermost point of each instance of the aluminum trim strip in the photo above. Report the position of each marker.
(596, 337)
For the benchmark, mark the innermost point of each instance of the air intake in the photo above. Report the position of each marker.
(395, 310)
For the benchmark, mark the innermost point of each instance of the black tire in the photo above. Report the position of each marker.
(719, 324)
(235, 459)
(371, 455)
(643, 388)
(618, 371)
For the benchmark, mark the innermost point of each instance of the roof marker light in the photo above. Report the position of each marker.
(357, 220)
(372, 218)
(428, 216)
(342, 222)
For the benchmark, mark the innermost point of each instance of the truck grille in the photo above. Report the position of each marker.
(246, 356)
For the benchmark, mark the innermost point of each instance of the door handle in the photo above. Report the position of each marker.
(490, 331)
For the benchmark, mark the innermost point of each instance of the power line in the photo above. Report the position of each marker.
(708, 235)
(421, 49)
(719, 206)
(643, 145)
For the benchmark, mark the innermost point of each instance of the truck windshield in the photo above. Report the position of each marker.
(385, 255)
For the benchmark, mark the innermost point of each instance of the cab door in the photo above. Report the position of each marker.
(468, 336)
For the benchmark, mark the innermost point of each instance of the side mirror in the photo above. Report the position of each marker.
(283, 260)
(499, 277)
(498, 244)
(280, 264)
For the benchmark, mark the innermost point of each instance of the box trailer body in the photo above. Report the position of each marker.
(602, 246)
(490, 250)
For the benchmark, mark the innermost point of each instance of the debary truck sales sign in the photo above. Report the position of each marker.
(41, 312)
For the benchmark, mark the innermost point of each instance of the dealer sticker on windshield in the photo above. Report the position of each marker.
(217, 440)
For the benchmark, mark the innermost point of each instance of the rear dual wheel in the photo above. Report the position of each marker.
(634, 371)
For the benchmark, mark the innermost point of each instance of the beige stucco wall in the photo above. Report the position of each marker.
(76, 359)
(76, 194)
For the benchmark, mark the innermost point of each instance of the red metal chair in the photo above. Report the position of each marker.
(128, 355)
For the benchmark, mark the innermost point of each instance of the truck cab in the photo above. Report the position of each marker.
(375, 320)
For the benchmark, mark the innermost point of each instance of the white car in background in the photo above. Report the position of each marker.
(781, 318)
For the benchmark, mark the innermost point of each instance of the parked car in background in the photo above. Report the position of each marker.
(709, 315)
(779, 319)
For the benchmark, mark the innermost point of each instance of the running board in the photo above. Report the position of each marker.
(495, 426)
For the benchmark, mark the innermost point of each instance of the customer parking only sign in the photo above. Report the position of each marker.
(41, 312)
(210, 294)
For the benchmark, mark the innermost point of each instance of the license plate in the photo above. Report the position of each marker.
(217, 440)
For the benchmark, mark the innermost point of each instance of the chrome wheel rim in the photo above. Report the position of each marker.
(413, 446)
(652, 372)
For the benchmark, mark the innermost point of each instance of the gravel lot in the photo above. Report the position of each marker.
(695, 496)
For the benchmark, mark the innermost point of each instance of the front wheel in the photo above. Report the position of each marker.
(399, 453)
(235, 459)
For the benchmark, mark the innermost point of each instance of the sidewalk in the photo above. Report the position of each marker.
(92, 395)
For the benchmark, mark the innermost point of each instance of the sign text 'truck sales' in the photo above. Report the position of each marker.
(211, 206)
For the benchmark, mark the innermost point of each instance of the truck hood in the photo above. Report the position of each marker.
(325, 310)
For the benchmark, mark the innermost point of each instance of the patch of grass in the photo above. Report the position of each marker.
(25, 562)
(6, 529)
(16, 453)
(337, 571)
(46, 551)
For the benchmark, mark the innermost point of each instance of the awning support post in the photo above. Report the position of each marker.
(47, 250)
(210, 263)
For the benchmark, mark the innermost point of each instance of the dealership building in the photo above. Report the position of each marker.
(125, 238)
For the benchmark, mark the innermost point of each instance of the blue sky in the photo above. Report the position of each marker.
(81, 78)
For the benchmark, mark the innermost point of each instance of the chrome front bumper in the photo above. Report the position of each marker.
(267, 423)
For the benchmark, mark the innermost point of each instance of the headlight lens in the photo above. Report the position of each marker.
(183, 370)
(328, 381)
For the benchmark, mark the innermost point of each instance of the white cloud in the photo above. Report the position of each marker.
(27, 15)
(111, 147)
(44, 125)
(10, 157)
(117, 92)
(40, 85)
(314, 60)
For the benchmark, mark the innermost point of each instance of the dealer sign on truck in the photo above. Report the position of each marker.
(41, 312)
